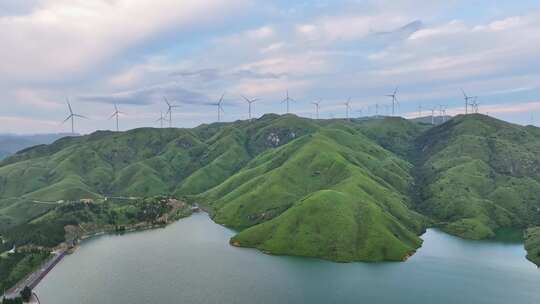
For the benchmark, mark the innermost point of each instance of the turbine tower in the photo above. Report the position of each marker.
(467, 98)
(347, 107)
(161, 119)
(249, 101)
(116, 114)
(394, 100)
(170, 107)
(433, 116)
(442, 112)
(286, 100)
(72, 116)
(420, 110)
(219, 105)
(317, 106)
(475, 104)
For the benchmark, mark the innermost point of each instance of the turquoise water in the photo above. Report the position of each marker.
(191, 262)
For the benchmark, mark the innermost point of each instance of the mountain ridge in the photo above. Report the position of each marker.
(280, 179)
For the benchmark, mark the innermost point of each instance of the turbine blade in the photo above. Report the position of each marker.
(69, 105)
(166, 101)
(66, 119)
(81, 116)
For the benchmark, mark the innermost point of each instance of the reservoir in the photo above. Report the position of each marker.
(191, 261)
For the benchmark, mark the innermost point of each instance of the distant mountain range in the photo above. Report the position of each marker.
(11, 143)
(358, 190)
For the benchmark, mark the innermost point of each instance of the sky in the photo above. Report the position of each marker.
(135, 53)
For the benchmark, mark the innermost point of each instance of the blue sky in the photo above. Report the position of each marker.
(135, 52)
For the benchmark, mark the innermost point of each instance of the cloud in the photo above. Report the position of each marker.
(353, 27)
(510, 107)
(150, 95)
(213, 74)
(136, 51)
(60, 37)
(21, 124)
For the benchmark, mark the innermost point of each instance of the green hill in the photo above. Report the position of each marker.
(359, 190)
(333, 194)
(477, 174)
(11, 143)
(532, 245)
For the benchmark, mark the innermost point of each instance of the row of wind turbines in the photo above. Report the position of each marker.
(470, 103)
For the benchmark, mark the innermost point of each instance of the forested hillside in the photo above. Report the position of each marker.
(358, 190)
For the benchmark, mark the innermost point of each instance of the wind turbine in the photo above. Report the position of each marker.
(170, 107)
(467, 98)
(475, 104)
(394, 100)
(347, 107)
(442, 112)
(116, 114)
(161, 119)
(219, 105)
(433, 116)
(360, 112)
(249, 101)
(72, 116)
(317, 106)
(420, 110)
(286, 100)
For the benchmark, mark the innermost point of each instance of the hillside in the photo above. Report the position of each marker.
(11, 143)
(332, 194)
(477, 174)
(359, 190)
(532, 245)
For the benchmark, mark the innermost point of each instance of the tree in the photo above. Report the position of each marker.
(26, 294)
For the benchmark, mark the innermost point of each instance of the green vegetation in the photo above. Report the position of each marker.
(26, 294)
(477, 174)
(358, 190)
(332, 194)
(11, 143)
(12, 301)
(15, 266)
(532, 245)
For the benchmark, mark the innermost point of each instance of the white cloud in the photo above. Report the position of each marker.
(453, 27)
(348, 27)
(261, 33)
(29, 125)
(504, 24)
(60, 37)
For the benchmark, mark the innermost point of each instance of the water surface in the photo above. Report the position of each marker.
(191, 262)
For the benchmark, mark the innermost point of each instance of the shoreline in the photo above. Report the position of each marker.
(65, 248)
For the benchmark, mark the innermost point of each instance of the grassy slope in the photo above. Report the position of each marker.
(141, 162)
(532, 245)
(333, 194)
(478, 174)
(334, 189)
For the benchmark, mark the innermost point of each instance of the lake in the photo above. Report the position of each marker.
(191, 261)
